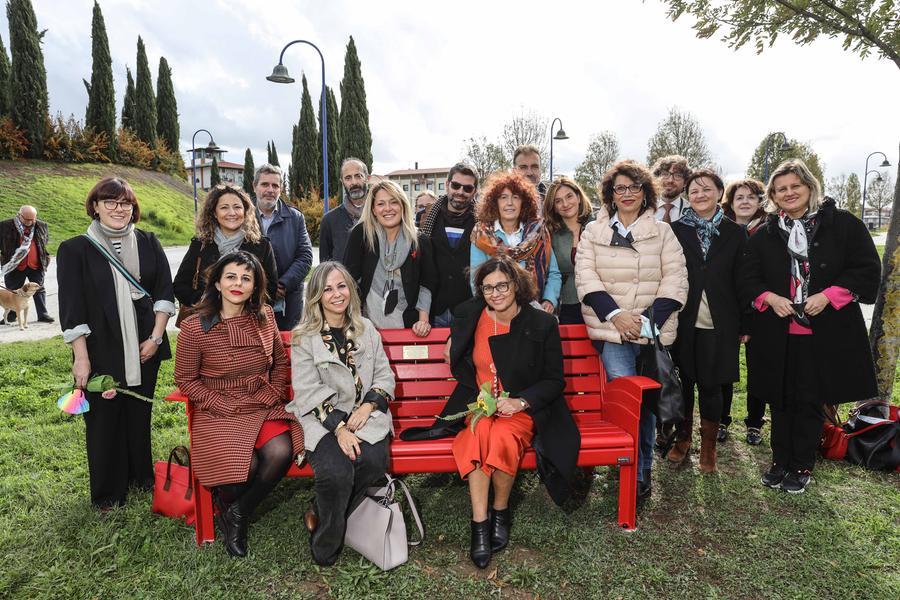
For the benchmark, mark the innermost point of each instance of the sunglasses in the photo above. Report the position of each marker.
(467, 188)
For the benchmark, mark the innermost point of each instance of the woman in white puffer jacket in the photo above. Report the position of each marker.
(627, 262)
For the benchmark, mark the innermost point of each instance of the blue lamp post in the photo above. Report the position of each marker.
(210, 148)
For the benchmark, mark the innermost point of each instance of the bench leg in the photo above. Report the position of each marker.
(203, 513)
(628, 496)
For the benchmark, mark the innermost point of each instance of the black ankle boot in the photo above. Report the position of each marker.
(480, 550)
(500, 522)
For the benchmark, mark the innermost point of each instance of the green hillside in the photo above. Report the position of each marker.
(58, 190)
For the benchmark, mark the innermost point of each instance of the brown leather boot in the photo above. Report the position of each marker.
(683, 432)
(708, 432)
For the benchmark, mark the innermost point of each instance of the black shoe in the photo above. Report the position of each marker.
(754, 436)
(11, 317)
(234, 529)
(774, 476)
(722, 434)
(480, 549)
(795, 482)
(46, 319)
(644, 488)
(500, 522)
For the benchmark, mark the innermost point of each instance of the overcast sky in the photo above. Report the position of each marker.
(439, 73)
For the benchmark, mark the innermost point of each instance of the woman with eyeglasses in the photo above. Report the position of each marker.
(500, 339)
(805, 272)
(567, 211)
(390, 262)
(227, 223)
(508, 224)
(627, 264)
(115, 299)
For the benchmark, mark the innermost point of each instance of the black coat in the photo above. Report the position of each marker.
(87, 296)
(208, 253)
(334, 230)
(717, 275)
(9, 241)
(417, 270)
(841, 253)
(451, 264)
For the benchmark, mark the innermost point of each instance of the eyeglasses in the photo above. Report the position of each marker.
(500, 288)
(115, 204)
(634, 188)
(467, 188)
(671, 175)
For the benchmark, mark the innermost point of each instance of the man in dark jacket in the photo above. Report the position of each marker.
(24, 255)
(448, 223)
(336, 224)
(286, 229)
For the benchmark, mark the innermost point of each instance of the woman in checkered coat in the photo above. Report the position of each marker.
(230, 363)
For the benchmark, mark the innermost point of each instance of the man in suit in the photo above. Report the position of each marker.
(672, 171)
(24, 256)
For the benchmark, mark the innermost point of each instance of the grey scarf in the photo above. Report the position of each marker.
(228, 244)
(350, 208)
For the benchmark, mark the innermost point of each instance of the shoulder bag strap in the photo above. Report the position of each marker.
(117, 265)
(196, 279)
(412, 509)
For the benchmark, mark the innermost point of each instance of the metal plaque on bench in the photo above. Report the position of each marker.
(415, 352)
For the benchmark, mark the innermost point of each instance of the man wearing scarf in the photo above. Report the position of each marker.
(24, 256)
(334, 230)
(449, 222)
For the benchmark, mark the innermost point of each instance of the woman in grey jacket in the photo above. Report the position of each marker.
(342, 386)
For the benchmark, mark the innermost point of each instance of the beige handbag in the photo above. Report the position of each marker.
(376, 528)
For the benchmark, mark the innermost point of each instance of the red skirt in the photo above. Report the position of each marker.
(269, 430)
(498, 443)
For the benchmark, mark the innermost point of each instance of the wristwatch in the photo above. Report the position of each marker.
(156, 340)
(524, 404)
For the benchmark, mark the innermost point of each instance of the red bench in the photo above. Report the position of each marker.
(606, 413)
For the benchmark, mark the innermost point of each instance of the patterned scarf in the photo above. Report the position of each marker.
(707, 229)
(22, 251)
(797, 233)
(534, 251)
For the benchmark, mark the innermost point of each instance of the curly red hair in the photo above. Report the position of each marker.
(488, 211)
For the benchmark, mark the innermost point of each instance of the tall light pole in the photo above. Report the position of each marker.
(885, 163)
(280, 75)
(783, 148)
(560, 135)
(210, 148)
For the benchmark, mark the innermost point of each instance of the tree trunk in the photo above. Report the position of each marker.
(884, 336)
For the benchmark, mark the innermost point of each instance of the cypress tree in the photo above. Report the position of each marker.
(273, 154)
(128, 103)
(28, 77)
(4, 80)
(166, 107)
(354, 133)
(293, 177)
(214, 177)
(144, 102)
(249, 172)
(334, 161)
(308, 139)
(101, 108)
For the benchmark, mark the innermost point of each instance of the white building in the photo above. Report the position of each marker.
(229, 172)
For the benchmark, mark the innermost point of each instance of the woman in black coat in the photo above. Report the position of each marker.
(709, 325)
(806, 271)
(227, 223)
(115, 329)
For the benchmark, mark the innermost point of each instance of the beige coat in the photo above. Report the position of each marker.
(317, 375)
(655, 268)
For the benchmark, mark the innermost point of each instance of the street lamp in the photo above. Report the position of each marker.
(280, 75)
(783, 148)
(885, 163)
(560, 135)
(210, 148)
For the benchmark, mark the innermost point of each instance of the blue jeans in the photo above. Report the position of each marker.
(445, 319)
(621, 360)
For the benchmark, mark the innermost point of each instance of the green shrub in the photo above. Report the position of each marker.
(313, 209)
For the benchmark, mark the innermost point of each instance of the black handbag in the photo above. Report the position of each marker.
(656, 363)
(874, 442)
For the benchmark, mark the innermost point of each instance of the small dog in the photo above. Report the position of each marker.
(18, 300)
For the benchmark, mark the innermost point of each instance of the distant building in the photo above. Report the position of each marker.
(416, 180)
(875, 221)
(229, 172)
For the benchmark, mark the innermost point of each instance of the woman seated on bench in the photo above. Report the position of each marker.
(515, 348)
(230, 363)
(342, 386)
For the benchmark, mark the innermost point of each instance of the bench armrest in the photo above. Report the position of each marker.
(622, 399)
(176, 396)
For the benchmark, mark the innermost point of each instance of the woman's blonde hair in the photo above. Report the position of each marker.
(369, 222)
(798, 168)
(314, 315)
(206, 220)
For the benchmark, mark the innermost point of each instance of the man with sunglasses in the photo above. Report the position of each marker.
(672, 171)
(449, 222)
(24, 255)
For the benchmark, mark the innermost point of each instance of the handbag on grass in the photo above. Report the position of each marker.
(657, 364)
(173, 494)
(376, 528)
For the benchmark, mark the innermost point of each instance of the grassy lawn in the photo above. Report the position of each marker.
(722, 536)
(58, 191)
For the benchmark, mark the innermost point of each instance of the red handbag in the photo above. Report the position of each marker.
(173, 494)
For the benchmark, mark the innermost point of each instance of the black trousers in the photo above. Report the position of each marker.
(797, 423)
(705, 366)
(118, 442)
(16, 279)
(340, 485)
(756, 408)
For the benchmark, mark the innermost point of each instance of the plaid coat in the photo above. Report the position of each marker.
(235, 374)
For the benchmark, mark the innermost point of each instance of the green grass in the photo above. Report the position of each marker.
(722, 536)
(58, 191)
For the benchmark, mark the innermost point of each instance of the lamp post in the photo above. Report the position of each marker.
(783, 148)
(885, 163)
(210, 148)
(560, 135)
(280, 75)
